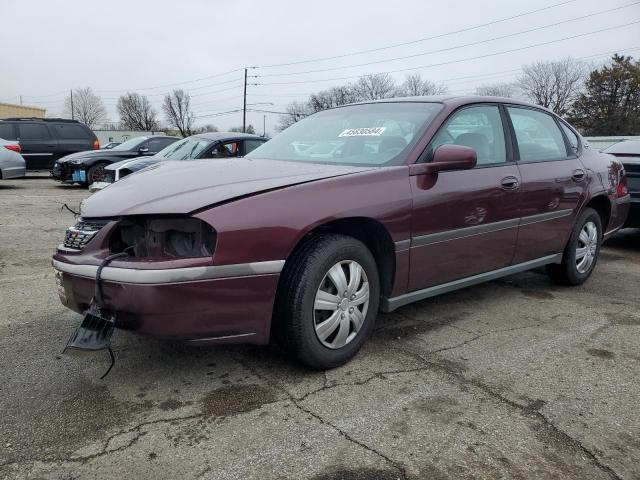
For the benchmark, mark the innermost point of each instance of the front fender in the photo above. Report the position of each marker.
(268, 226)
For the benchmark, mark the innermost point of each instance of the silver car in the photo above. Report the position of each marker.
(12, 165)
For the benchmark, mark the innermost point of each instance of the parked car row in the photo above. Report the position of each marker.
(201, 146)
(351, 211)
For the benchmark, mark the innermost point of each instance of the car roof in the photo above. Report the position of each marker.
(212, 136)
(452, 100)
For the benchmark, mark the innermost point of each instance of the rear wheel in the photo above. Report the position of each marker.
(582, 251)
(328, 300)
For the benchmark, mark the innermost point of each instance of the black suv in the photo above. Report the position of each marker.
(44, 140)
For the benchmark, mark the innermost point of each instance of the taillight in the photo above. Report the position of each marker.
(14, 147)
(96, 145)
(621, 188)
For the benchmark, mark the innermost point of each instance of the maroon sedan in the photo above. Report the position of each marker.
(352, 210)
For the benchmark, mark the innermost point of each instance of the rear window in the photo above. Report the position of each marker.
(33, 131)
(71, 132)
(7, 131)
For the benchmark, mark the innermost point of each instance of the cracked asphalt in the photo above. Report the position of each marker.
(516, 378)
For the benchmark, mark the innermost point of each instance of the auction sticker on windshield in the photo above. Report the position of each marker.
(360, 132)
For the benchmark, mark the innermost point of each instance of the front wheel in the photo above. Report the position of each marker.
(95, 173)
(328, 300)
(582, 251)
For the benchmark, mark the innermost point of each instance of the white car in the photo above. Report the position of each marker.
(12, 165)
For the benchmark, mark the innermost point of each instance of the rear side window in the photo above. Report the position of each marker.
(538, 136)
(477, 127)
(71, 132)
(572, 137)
(6, 131)
(33, 131)
(251, 145)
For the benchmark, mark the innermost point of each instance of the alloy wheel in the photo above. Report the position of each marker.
(341, 304)
(587, 247)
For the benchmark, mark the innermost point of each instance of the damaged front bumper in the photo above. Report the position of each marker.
(204, 304)
(68, 172)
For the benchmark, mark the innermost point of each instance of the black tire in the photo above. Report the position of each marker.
(301, 278)
(566, 273)
(95, 173)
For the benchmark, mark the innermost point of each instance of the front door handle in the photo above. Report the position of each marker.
(509, 183)
(578, 175)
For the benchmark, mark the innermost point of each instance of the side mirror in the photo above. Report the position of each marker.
(143, 150)
(447, 157)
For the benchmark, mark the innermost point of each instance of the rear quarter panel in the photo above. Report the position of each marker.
(606, 172)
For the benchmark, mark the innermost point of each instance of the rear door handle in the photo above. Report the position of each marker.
(578, 175)
(509, 183)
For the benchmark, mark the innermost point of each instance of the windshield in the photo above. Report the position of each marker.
(626, 146)
(129, 144)
(373, 134)
(184, 149)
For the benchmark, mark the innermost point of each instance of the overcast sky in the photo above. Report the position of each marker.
(116, 46)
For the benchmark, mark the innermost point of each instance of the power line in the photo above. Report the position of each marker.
(448, 49)
(463, 59)
(467, 29)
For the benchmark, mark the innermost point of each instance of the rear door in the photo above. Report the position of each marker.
(553, 182)
(71, 138)
(466, 222)
(38, 145)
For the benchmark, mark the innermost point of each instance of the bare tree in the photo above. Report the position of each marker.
(507, 90)
(177, 110)
(554, 85)
(374, 87)
(86, 107)
(205, 129)
(136, 112)
(333, 97)
(250, 129)
(414, 86)
(296, 111)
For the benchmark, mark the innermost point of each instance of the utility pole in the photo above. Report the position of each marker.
(20, 99)
(71, 92)
(244, 105)
(264, 125)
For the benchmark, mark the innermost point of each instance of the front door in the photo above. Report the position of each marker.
(466, 222)
(553, 182)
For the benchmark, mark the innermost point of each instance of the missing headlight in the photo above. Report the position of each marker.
(164, 237)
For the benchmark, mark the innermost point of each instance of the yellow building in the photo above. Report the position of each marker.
(8, 110)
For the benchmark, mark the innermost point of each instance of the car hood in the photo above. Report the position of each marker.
(130, 161)
(89, 154)
(172, 187)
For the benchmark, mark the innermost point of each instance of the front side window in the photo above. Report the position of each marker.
(538, 136)
(33, 131)
(156, 144)
(225, 150)
(478, 127)
(373, 134)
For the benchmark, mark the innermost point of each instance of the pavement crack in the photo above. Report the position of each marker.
(529, 411)
(296, 402)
